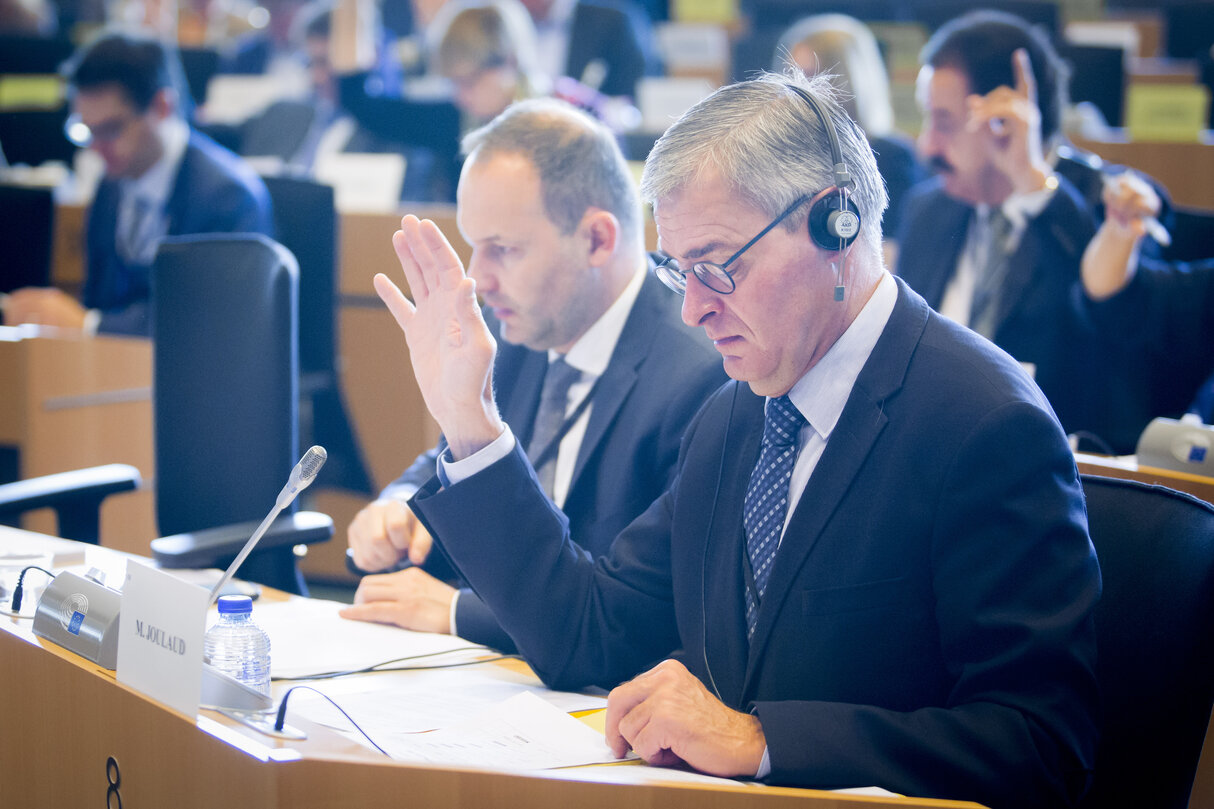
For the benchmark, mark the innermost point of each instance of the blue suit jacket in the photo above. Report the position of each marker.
(927, 624)
(1091, 381)
(214, 192)
(658, 376)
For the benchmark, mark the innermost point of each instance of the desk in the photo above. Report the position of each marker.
(65, 717)
(69, 402)
(1196, 485)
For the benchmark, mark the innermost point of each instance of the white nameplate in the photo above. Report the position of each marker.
(160, 637)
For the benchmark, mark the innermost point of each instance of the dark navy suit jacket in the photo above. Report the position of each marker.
(214, 192)
(658, 376)
(927, 625)
(1093, 383)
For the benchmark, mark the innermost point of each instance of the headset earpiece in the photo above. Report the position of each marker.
(834, 221)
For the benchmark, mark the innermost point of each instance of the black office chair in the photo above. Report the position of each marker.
(26, 237)
(1154, 627)
(1192, 234)
(305, 222)
(224, 323)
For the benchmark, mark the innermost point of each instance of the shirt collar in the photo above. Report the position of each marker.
(593, 350)
(821, 394)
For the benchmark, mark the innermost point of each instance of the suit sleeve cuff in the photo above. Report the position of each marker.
(451, 471)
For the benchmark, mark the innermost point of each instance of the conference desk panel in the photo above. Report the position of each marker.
(65, 719)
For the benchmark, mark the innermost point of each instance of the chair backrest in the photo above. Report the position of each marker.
(225, 384)
(1155, 640)
(305, 222)
(26, 236)
(1192, 234)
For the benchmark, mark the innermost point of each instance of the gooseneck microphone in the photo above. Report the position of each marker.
(301, 478)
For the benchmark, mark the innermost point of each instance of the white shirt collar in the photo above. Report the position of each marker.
(821, 394)
(593, 350)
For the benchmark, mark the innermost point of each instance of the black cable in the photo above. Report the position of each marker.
(379, 667)
(19, 589)
(281, 718)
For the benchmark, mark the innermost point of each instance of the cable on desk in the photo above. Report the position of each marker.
(379, 667)
(281, 718)
(19, 589)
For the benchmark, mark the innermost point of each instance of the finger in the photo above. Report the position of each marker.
(1026, 83)
(420, 543)
(622, 700)
(403, 242)
(379, 612)
(394, 299)
(396, 526)
(362, 539)
(468, 312)
(382, 587)
(448, 269)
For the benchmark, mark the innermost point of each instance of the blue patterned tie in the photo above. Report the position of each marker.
(767, 497)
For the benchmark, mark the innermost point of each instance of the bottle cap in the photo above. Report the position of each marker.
(237, 605)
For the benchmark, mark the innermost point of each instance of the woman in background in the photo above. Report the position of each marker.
(845, 48)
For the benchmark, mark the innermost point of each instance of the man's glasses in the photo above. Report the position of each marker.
(716, 277)
(81, 134)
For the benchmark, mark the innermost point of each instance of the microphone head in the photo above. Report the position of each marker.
(310, 465)
(303, 474)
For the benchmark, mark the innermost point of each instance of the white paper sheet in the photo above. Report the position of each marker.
(307, 636)
(408, 702)
(522, 733)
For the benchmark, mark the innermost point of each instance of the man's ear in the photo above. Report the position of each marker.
(602, 230)
(164, 103)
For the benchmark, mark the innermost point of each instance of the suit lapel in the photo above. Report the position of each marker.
(523, 398)
(618, 380)
(726, 645)
(849, 446)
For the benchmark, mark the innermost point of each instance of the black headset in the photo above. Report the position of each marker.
(834, 220)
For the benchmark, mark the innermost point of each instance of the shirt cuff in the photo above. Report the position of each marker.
(765, 764)
(451, 617)
(92, 321)
(451, 471)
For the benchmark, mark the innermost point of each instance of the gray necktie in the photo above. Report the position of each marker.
(766, 502)
(132, 236)
(554, 400)
(991, 271)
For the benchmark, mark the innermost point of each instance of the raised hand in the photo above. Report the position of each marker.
(450, 347)
(1012, 120)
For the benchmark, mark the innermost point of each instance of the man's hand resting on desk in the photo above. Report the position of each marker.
(385, 532)
(46, 306)
(666, 715)
(410, 598)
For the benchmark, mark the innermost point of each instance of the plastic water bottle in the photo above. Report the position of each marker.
(237, 646)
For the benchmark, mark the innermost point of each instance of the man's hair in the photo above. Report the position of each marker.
(139, 65)
(980, 44)
(767, 144)
(577, 159)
